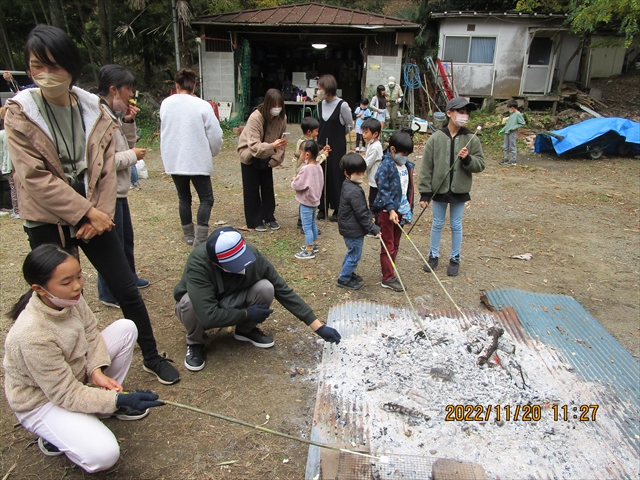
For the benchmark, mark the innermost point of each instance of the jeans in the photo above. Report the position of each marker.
(84, 439)
(107, 256)
(391, 235)
(309, 225)
(124, 230)
(509, 146)
(202, 184)
(259, 197)
(455, 218)
(134, 175)
(352, 257)
(260, 293)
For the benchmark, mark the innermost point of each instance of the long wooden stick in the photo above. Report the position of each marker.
(267, 430)
(434, 273)
(395, 269)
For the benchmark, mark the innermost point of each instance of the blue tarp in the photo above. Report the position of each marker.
(584, 132)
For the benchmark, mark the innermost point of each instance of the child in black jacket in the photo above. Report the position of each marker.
(355, 219)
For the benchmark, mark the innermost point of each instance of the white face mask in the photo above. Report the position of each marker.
(461, 119)
(275, 111)
(321, 95)
(51, 84)
(355, 178)
(61, 302)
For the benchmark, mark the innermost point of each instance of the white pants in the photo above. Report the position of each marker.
(84, 439)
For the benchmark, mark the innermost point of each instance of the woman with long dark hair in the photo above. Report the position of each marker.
(190, 135)
(334, 115)
(61, 144)
(261, 148)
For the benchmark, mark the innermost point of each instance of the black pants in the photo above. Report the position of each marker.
(373, 193)
(107, 256)
(259, 197)
(359, 140)
(202, 184)
(5, 193)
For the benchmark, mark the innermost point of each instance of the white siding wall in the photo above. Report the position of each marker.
(389, 66)
(606, 62)
(219, 76)
(512, 37)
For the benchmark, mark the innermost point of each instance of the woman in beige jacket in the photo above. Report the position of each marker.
(55, 357)
(60, 142)
(261, 147)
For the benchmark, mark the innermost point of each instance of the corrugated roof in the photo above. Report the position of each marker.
(306, 14)
(560, 321)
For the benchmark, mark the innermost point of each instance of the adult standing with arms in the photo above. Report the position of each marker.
(261, 147)
(190, 135)
(115, 88)
(335, 119)
(393, 93)
(450, 158)
(60, 141)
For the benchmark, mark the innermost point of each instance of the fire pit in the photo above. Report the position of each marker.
(519, 412)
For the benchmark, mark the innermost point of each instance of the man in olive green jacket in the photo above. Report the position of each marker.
(227, 282)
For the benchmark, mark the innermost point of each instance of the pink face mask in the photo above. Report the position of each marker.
(61, 302)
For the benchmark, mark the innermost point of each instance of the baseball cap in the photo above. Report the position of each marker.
(227, 248)
(459, 102)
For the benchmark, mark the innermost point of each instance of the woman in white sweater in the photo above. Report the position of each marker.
(190, 135)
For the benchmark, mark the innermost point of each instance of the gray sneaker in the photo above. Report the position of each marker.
(393, 284)
(260, 228)
(48, 448)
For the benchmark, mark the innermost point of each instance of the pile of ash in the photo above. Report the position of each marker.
(435, 397)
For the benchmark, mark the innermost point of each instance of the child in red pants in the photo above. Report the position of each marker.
(394, 201)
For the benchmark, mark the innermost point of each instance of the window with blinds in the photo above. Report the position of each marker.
(469, 49)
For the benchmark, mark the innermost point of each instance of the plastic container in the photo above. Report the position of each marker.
(438, 119)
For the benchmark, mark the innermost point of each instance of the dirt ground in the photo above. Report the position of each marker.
(577, 217)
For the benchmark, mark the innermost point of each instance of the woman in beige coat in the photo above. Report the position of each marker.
(60, 142)
(261, 147)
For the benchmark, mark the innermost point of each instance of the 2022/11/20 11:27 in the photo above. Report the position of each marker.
(524, 413)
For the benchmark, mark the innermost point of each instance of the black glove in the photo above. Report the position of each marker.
(139, 400)
(257, 313)
(329, 334)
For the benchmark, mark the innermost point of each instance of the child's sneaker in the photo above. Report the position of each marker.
(504, 162)
(512, 163)
(316, 248)
(393, 284)
(305, 255)
(356, 277)
(48, 448)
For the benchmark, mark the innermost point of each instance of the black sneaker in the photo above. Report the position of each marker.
(504, 162)
(48, 448)
(454, 266)
(321, 215)
(351, 284)
(109, 303)
(333, 218)
(433, 263)
(260, 228)
(356, 277)
(274, 225)
(393, 284)
(256, 337)
(130, 414)
(162, 369)
(125, 413)
(195, 358)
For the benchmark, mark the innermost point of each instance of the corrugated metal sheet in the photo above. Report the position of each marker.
(309, 14)
(344, 423)
(560, 321)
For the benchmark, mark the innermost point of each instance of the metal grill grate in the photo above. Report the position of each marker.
(390, 467)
